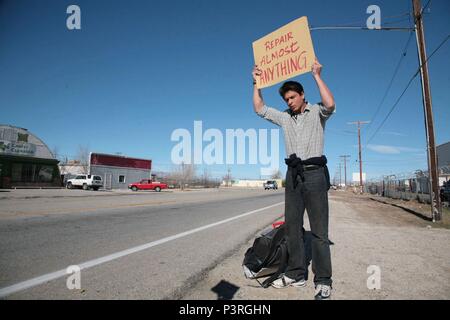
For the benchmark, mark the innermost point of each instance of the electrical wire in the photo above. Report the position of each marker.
(361, 28)
(362, 21)
(426, 6)
(395, 73)
(407, 86)
(396, 21)
(403, 55)
(351, 26)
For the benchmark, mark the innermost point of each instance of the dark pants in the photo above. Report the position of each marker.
(312, 195)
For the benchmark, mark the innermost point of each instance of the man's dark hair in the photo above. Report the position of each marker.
(290, 86)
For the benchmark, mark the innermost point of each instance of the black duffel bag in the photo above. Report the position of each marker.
(267, 256)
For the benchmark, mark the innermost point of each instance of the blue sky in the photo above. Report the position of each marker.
(138, 70)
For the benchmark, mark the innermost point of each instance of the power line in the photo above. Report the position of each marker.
(442, 43)
(403, 55)
(426, 6)
(361, 28)
(384, 19)
(392, 109)
(407, 86)
(396, 21)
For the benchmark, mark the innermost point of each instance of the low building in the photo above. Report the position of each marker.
(356, 178)
(25, 160)
(245, 183)
(119, 171)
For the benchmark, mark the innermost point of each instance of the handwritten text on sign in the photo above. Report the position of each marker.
(284, 53)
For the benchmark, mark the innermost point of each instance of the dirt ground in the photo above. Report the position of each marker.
(381, 210)
(410, 253)
(416, 208)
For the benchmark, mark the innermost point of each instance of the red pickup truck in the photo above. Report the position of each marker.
(147, 184)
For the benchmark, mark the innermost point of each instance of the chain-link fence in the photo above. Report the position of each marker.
(407, 186)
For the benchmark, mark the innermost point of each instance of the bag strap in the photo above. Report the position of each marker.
(281, 268)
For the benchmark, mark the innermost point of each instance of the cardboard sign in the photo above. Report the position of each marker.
(285, 53)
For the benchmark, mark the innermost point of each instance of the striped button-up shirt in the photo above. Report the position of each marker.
(303, 132)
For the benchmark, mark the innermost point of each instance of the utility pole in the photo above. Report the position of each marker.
(359, 123)
(340, 178)
(428, 113)
(345, 168)
(436, 208)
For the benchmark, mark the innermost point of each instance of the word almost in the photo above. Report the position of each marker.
(268, 58)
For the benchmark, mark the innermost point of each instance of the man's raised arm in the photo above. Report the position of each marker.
(325, 93)
(258, 102)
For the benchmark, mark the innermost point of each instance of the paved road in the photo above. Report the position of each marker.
(42, 235)
(408, 255)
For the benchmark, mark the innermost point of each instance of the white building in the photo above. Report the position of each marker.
(246, 183)
(355, 178)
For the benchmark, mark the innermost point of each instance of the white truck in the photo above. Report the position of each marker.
(270, 184)
(86, 182)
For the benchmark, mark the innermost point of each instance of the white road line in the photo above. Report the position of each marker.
(92, 263)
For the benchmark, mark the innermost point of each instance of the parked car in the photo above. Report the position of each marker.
(270, 184)
(86, 182)
(147, 184)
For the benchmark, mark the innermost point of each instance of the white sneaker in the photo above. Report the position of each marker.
(284, 282)
(323, 292)
(248, 273)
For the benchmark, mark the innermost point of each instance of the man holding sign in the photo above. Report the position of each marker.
(307, 178)
(285, 53)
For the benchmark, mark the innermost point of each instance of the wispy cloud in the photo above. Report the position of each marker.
(343, 132)
(391, 149)
(406, 149)
(383, 149)
(393, 133)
